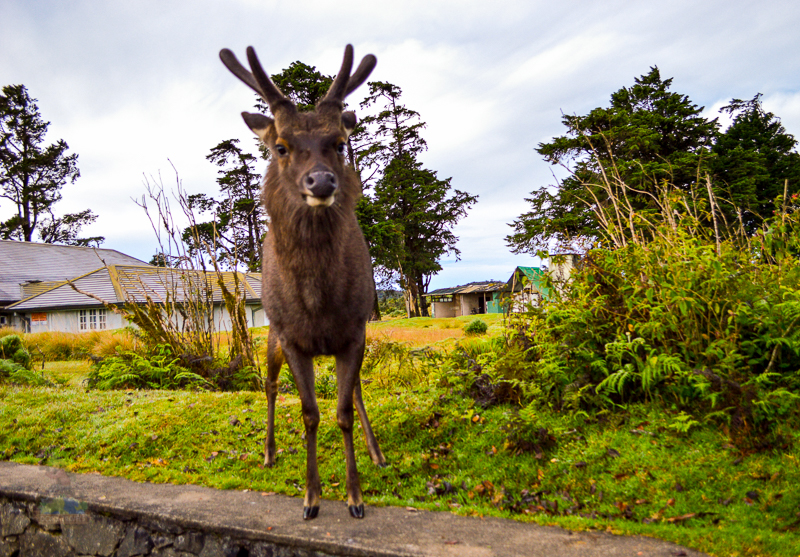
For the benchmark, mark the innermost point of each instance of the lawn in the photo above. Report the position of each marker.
(641, 469)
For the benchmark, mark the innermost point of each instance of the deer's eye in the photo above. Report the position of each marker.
(341, 147)
(281, 150)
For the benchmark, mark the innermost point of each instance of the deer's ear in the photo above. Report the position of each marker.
(260, 124)
(349, 121)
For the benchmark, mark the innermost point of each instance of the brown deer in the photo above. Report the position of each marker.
(317, 288)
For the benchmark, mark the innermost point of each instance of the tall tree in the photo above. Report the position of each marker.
(239, 221)
(32, 175)
(755, 160)
(649, 136)
(304, 85)
(409, 213)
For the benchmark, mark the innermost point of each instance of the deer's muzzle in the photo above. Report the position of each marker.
(320, 187)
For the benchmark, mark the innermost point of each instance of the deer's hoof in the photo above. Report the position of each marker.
(310, 512)
(383, 465)
(356, 511)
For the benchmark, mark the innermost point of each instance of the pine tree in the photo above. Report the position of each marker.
(238, 220)
(649, 136)
(33, 175)
(409, 213)
(755, 160)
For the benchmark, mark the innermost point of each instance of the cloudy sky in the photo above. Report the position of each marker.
(136, 88)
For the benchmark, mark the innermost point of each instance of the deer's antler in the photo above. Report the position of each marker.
(257, 80)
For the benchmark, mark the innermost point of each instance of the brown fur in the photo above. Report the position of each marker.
(317, 281)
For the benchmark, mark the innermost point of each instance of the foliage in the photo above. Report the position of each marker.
(304, 85)
(705, 325)
(391, 303)
(158, 369)
(12, 349)
(476, 327)
(32, 175)
(754, 162)
(238, 220)
(60, 346)
(408, 213)
(648, 135)
(179, 311)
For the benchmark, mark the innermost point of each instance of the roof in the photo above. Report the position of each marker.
(24, 266)
(534, 276)
(117, 284)
(533, 273)
(470, 288)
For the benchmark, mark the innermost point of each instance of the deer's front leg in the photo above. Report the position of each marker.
(348, 365)
(274, 363)
(302, 368)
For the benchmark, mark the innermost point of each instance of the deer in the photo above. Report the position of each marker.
(317, 284)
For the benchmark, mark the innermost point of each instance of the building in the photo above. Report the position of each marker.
(526, 287)
(47, 287)
(469, 299)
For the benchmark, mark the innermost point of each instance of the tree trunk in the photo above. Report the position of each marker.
(423, 303)
(411, 295)
(376, 308)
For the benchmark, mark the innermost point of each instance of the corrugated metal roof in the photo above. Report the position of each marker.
(534, 276)
(533, 273)
(25, 262)
(470, 288)
(117, 284)
(37, 287)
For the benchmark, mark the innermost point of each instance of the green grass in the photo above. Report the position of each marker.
(72, 371)
(632, 471)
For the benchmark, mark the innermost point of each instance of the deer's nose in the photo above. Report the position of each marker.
(321, 183)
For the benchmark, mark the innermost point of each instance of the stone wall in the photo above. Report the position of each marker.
(67, 528)
(49, 512)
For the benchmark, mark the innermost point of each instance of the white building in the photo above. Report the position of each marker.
(37, 293)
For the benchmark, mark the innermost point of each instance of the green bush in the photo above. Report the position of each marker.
(159, 369)
(7, 367)
(476, 327)
(705, 326)
(12, 348)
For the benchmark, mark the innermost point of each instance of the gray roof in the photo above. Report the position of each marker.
(118, 284)
(22, 263)
(471, 288)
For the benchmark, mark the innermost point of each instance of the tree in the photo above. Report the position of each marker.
(239, 221)
(647, 138)
(32, 175)
(409, 213)
(302, 84)
(755, 160)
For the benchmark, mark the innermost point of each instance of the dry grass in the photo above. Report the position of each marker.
(57, 346)
(417, 332)
(415, 337)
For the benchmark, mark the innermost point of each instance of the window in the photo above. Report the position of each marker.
(92, 319)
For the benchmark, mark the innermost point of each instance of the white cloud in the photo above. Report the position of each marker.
(131, 85)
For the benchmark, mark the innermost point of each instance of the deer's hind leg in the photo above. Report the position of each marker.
(372, 444)
(274, 363)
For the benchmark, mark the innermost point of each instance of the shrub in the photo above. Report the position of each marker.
(703, 324)
(476, 327)
(12, 349)
(159, 369)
